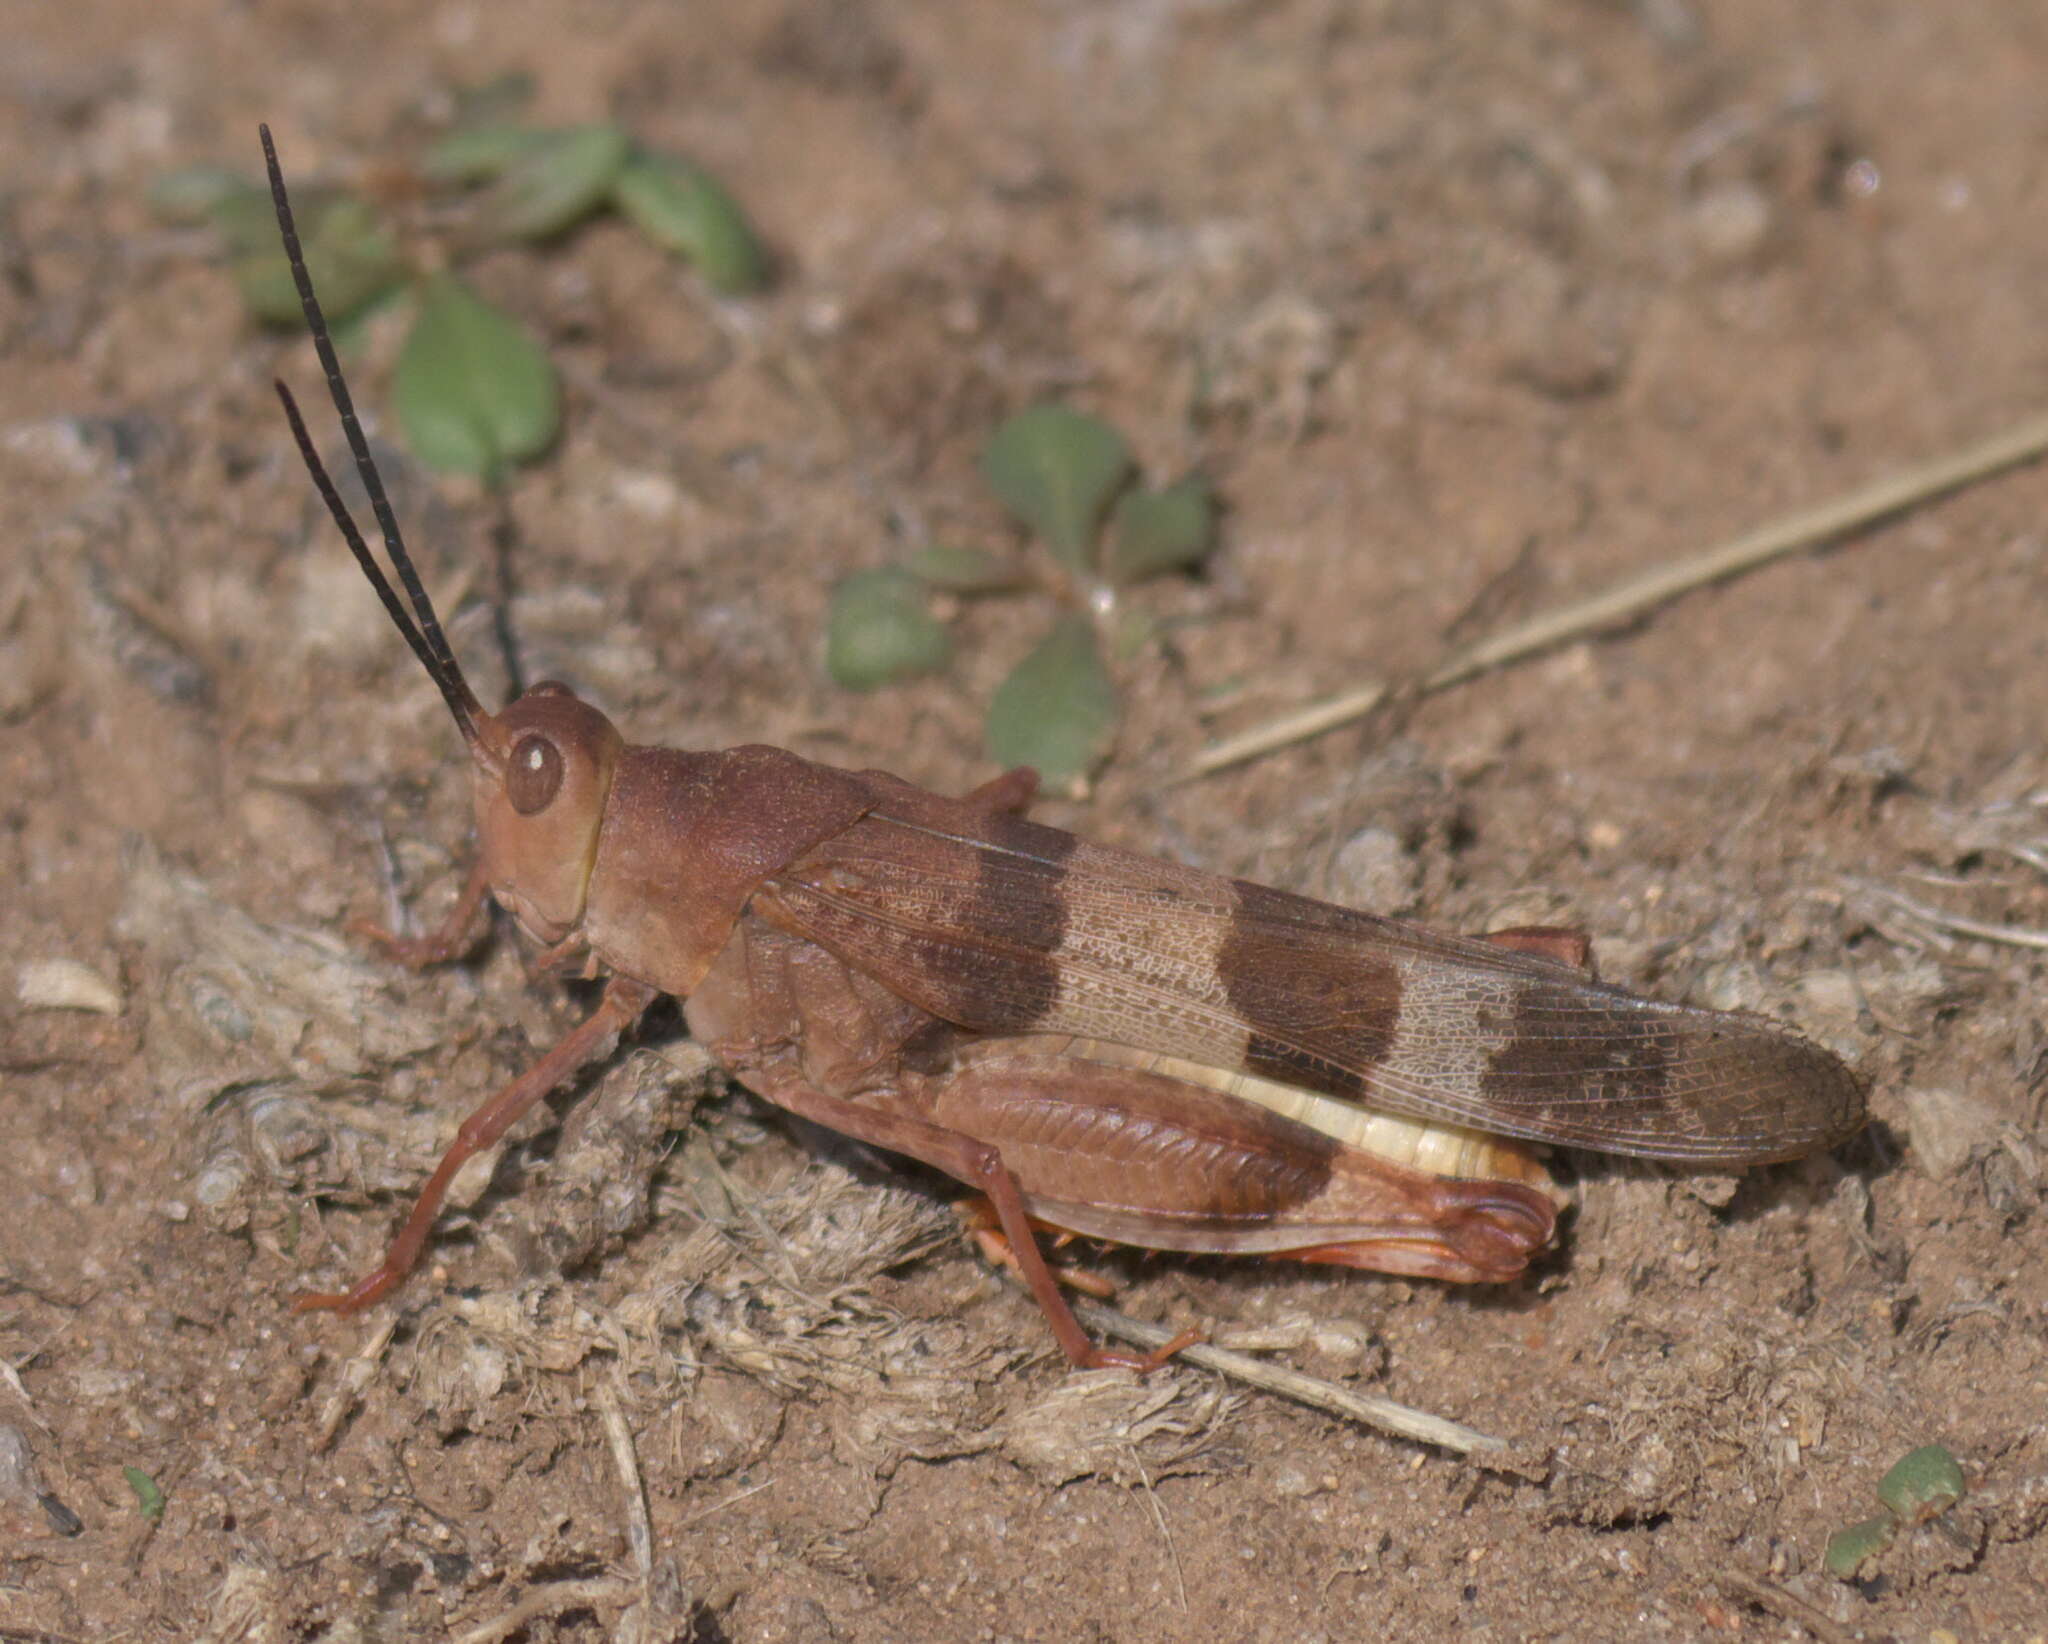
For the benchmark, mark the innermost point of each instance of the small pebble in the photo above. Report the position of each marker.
(1291, 1484)
(1944, 1127)
(1729, 222)
(65, 984)
(1375, 871)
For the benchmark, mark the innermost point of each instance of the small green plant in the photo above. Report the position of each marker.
(1922, 1485)
(1068, 478)
(149, 1496)
(474, 393)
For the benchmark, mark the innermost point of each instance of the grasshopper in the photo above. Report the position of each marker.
(1097, 1041)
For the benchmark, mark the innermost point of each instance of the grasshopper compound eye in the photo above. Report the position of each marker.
(534, 775)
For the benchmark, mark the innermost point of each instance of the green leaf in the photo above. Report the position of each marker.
(193, 194)
(265, 282)
(1056, 469)
(495, 101)
(246, 218)
(1131, 633)
(881, 630)
(684, 209)
(475, 154)
(473, 391)
(965, 570)
(1851, 1549)
(149, 1500)
(1154, 531)
(351, 258)
(360, 257)
(1057, 710)
(553, 185)
(1922, 1484)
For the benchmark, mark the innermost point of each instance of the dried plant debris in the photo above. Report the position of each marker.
(481, 1362)
(600, 1185)
(269, 1032)
(267, 1035)
(261, 1038)
(779, 1292)
(1947, 1128)
(1114, 1425)
(932, 1394)
(1984, 868)
(249, 1608)
(120, 622)
(819, 1236)
(235, 1001)
(1714, 1413)
(2016, 1504)
(2009, 821)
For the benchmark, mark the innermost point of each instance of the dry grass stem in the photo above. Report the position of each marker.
(639, 1528)
(1786, 1606)
(1956, 924)
(1807, 528)
(1389, 1417)
(1180, 1580)
(551, 1600)
(356, 1375)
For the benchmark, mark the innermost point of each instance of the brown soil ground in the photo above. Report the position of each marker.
(1467, 310)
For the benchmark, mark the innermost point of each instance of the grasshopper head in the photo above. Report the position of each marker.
(542, 772)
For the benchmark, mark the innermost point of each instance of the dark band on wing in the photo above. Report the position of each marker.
(1545, 1053)
(1027, 916)
(950, 925)
(1292, 991)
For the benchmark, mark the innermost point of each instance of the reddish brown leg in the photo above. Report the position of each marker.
(1013, 791)
(622, 1003)
(981, 1167)
(448, 941)
(569, 957)
(1560, 942)
(996, 1249)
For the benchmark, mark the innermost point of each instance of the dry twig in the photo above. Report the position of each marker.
(551, 1600)
(639, 1528)
(1785, 1605)
(1388, 1416)
(1180, 1580)
(1956, 924)
(356, 1375)
(1633, 597)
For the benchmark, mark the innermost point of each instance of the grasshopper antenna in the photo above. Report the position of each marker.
(427, 640)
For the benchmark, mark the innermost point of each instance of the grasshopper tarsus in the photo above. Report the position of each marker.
(363, 1293)
(1112, 1358)
(413, 952)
